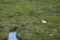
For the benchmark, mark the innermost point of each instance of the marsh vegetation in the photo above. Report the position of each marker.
(26, 15)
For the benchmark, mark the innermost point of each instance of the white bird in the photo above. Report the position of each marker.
(43, 21)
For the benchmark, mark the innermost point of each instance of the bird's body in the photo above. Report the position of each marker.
(43, 21)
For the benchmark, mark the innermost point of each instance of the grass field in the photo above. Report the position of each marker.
(26, 15)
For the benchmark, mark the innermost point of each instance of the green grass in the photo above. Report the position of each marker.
(27, 15)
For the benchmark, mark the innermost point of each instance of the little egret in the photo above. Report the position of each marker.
(43, 21)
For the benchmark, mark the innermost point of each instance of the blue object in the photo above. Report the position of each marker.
(12, 36)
